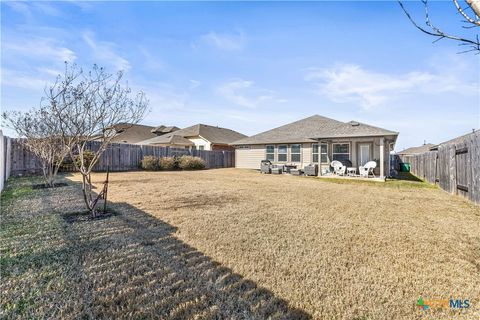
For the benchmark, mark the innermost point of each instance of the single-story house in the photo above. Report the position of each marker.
(416, 150)
(319, 140)
(199, 136)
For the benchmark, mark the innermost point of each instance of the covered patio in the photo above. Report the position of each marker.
(346, 158)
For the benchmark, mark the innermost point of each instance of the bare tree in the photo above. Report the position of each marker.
(88, 106)
(469, 11)
(40, 133)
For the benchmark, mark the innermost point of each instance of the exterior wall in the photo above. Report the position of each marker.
(199, 141)
(249, 158)
(306, 154)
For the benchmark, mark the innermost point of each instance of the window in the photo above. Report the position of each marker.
(315, 152)
(322, 152)
(270, 153)
(295, 150)
(201, 147)
(282, 153)
(341, 151)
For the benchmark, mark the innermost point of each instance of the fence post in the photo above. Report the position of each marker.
(474, 150)
(2, 162)
(453, 169)
(8, 158)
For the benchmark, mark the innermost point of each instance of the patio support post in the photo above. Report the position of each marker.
(382, 156)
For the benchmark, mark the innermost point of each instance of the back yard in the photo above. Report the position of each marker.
(232, 243)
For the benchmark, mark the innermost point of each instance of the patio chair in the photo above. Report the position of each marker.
(367, 169)
(311, 169)
(338, 168)
(265, 166)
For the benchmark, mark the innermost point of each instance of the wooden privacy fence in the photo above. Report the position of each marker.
(455, 166)
(120, 157)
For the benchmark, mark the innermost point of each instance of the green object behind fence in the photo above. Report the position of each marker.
(405, 167)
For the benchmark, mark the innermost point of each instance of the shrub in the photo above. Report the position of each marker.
(168, 163)
(87, 158)
(191, 163)
(149, 163)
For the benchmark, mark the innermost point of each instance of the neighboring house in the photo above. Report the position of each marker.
(320, 140)
(133, 133)
(199, 136)
(416, 150)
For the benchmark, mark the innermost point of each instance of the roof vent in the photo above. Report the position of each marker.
(354, 123)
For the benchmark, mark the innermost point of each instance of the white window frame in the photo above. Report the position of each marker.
(278, 152)
(323, 153)
(315, 153)
(339, 143)
(267, 153)
(319, 152)
(299, 153)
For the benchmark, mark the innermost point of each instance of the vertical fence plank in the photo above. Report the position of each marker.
(474, 174)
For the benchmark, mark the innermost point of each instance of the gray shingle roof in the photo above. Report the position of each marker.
(213, 134)
(417, 150)
(132, 133)
(312, 128)
(164, 129)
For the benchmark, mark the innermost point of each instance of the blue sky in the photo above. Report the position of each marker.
(252, 66)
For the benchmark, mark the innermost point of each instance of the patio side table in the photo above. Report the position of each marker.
(351, 171)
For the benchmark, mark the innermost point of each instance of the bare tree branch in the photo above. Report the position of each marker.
(435, 31)
(476, 21)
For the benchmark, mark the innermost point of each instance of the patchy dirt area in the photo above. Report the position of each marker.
(236, 244)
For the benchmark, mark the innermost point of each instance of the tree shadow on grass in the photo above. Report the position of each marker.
(135, 267)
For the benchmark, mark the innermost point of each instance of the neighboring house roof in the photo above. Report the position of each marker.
(164, 129)
(215, 135)
(315, 127)
(132, 133)
(417, 150)
(455, 140)
(177, 140)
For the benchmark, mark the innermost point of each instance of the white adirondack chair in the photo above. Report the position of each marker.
(367, 169)
(338, 168)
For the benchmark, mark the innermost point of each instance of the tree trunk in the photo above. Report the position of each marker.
(87, 188)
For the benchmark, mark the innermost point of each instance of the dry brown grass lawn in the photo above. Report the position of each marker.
(334, 250)
(232, 243)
